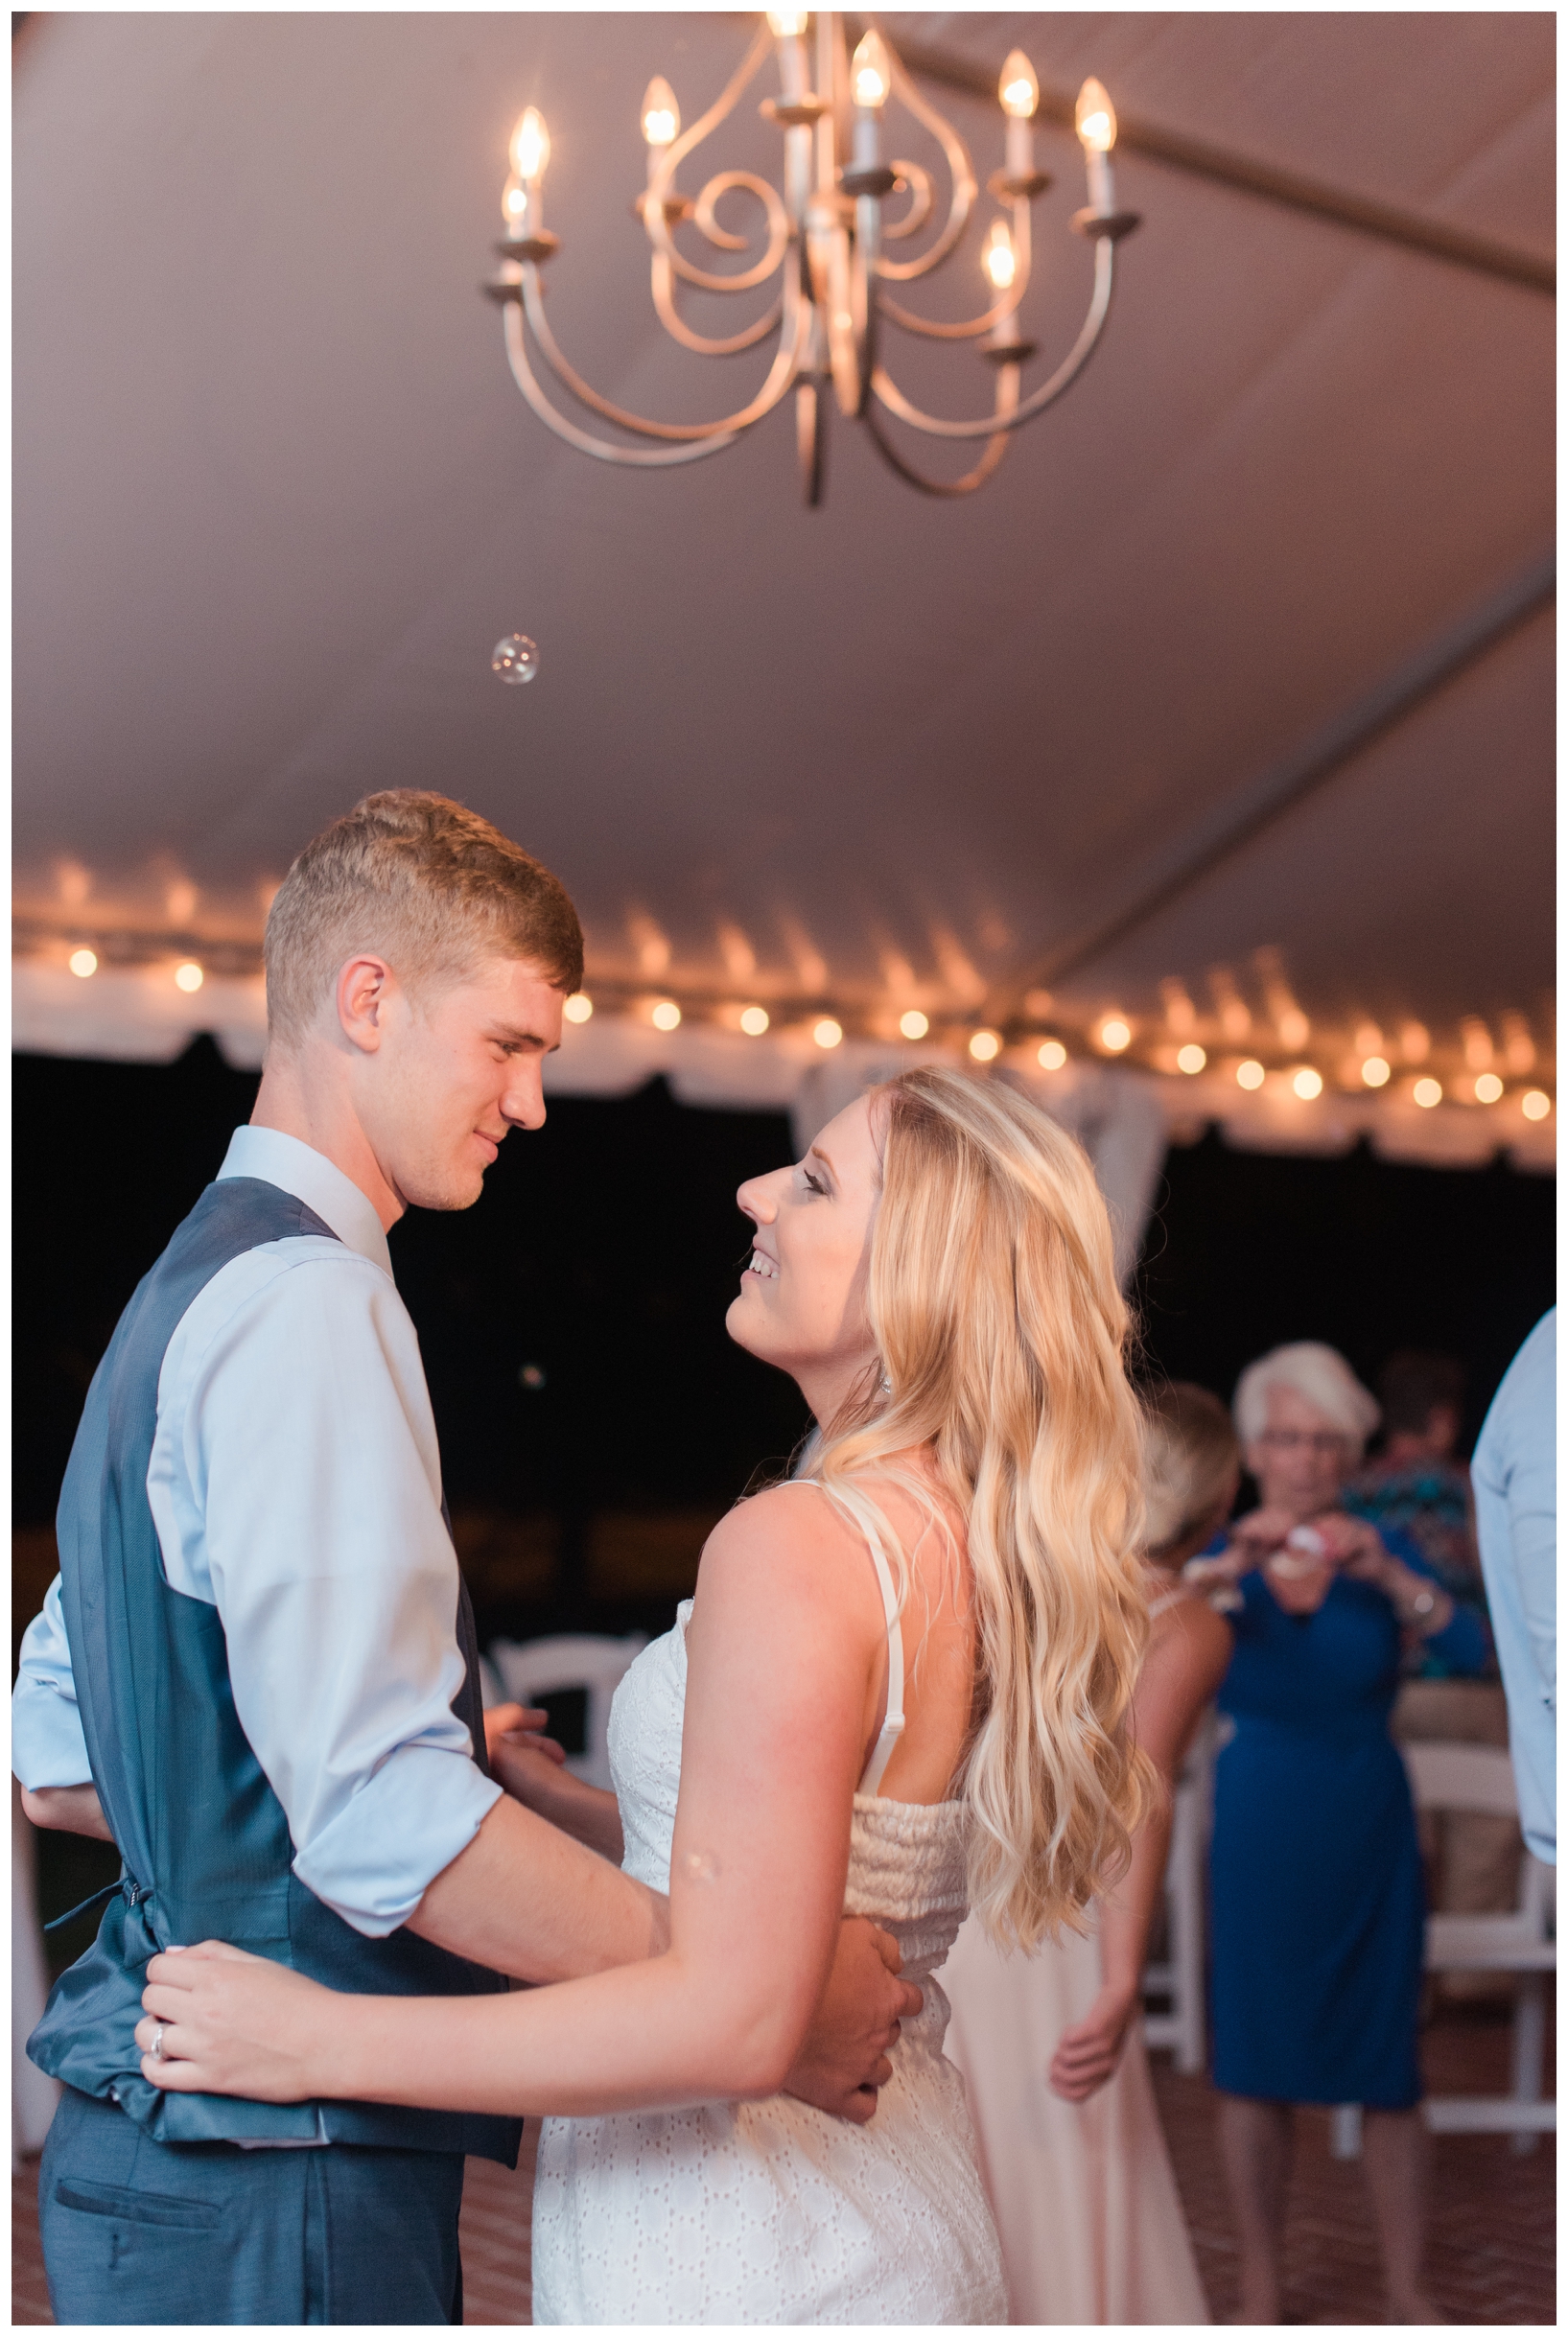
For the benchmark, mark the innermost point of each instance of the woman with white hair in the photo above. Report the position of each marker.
(1318, 1908)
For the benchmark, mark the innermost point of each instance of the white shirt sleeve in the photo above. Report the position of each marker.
(308, 1451)
(47, 1745)
(1515, 1477)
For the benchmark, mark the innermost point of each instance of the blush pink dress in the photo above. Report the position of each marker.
(1085, 2203)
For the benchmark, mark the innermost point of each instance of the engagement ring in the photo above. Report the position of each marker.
(155, 2051)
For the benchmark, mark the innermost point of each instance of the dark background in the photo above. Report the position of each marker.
(603, 1254)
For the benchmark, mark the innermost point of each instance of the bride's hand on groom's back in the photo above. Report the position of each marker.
(229, 2023)
(844, 2056)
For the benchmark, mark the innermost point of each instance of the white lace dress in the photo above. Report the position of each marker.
(773, 2212)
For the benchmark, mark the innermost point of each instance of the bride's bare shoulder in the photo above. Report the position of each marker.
(792, 1521)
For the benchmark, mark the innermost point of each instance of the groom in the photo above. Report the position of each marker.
(256, 1674)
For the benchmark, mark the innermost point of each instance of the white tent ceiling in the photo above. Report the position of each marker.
(276, 496)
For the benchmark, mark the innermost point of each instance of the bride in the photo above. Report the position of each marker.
(902, 1690)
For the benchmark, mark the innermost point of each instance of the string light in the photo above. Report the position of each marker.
(1308, 1083)
(985, 1046)
(1250, 1074)
(1488, 1088)
(1374, 1071)
(1052, 1055)
(1191, 1060)
(1534, 1104)
(189, 977)
(665, 1015)
(1426, 1092)
(83, 961)
(579, 1007)
(754, 1021)
(914, 1024)
(1114, 1034)
(828, 1033)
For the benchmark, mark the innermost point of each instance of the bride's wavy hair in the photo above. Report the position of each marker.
(1002, 1337)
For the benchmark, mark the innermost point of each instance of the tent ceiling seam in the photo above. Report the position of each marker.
(1365, 215)
(1300, 773)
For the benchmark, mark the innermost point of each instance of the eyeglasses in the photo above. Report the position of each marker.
(1296, 1439)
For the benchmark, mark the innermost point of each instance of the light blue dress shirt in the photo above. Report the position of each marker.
(295, 1484)
(1515, 1472)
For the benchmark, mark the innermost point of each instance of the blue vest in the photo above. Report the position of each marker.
(202, 1837)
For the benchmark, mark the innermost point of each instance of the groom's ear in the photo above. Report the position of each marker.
(364, 992)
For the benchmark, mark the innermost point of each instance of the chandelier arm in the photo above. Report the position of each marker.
(1007, 306)
(996, 448)
(917, 185)
(748, 278)
(676, 326)
(781, 373)
(965, 185)
(887, 393)
(646, 458)
(662, 184)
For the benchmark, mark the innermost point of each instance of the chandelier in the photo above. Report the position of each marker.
(826, 239)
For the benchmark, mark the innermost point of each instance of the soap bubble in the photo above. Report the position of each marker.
(699, 1867)
(515, 658)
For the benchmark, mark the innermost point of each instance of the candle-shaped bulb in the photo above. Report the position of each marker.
(1095, 118)
(999, 259)
(786, 23)
(871, 73)
(514, 203)
(1018, 89)
(661, 115)
(530, 147)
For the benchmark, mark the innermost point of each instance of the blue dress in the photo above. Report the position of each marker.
(1318, 1905)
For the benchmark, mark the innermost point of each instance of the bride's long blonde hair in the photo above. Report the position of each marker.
(1001, 1334)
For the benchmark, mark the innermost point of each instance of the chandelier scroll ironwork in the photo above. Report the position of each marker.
(831, 239)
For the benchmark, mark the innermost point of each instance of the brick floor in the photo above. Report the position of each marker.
(1493, 2260)
(1492, 2220)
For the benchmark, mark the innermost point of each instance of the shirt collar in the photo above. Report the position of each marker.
(297, 1168)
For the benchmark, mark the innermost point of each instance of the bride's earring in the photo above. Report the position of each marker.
(886, 1384)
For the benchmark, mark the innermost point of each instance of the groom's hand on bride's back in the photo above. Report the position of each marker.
(844, 2056)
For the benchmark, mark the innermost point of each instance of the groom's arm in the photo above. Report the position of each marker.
(525, 1898)
(304, 1426)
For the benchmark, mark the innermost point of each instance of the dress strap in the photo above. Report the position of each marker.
(892, 1725)
(881, 1752)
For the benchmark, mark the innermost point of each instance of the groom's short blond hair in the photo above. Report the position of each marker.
(423, 882)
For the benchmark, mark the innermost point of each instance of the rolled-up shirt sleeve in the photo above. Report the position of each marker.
(47, 1744)
(310, 1449)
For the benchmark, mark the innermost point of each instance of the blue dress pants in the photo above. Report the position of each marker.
(140, 2230)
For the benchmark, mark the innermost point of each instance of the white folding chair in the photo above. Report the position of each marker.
(1178, 1977)
(522, 1670)
(1479, 1778)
